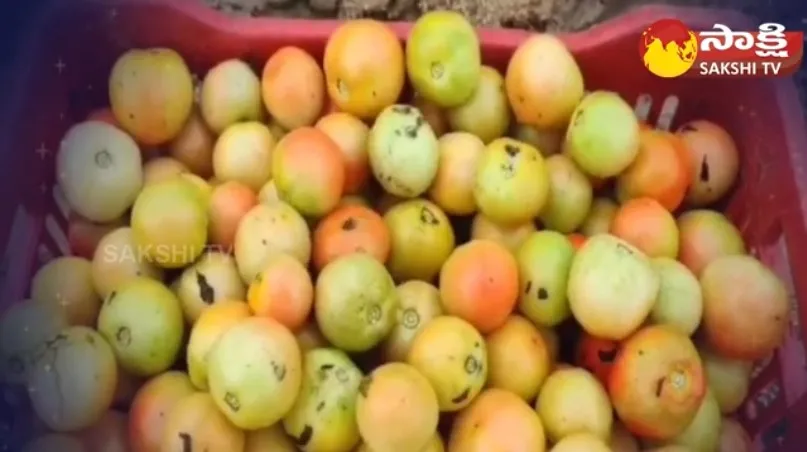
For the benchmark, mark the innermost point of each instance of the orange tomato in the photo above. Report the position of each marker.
(364, 67)
(349, 229)
(543, 82)
(350, 134)
(706, 235)
(657, 383)
(293, 88)
(229, 202)
(497, 420)
(151, 406)
(151, 94)
(713, 160)
(660, 171)
(479, 283)
(283, 291)
(193, 147)
(309, 171)
(647, 225)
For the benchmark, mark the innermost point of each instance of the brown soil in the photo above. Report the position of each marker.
(540, 15)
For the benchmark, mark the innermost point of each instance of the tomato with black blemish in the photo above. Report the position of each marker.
(596, 355)
(349, 229)
(713, 159)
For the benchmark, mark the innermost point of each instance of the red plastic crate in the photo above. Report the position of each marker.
(64, 76)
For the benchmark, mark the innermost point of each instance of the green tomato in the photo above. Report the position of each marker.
(443, 58)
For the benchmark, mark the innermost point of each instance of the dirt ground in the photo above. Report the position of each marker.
(539, 15)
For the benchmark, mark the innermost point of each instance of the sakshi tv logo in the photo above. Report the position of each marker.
(670, 49)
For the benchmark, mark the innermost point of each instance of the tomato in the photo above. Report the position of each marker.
(364, 67)
(443, 59)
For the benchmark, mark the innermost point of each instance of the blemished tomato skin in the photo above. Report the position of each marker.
(657, 382)
(349, 229)
(597, 356)
(714, 161)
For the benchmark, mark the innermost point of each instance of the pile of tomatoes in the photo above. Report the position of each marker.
(310, 258)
